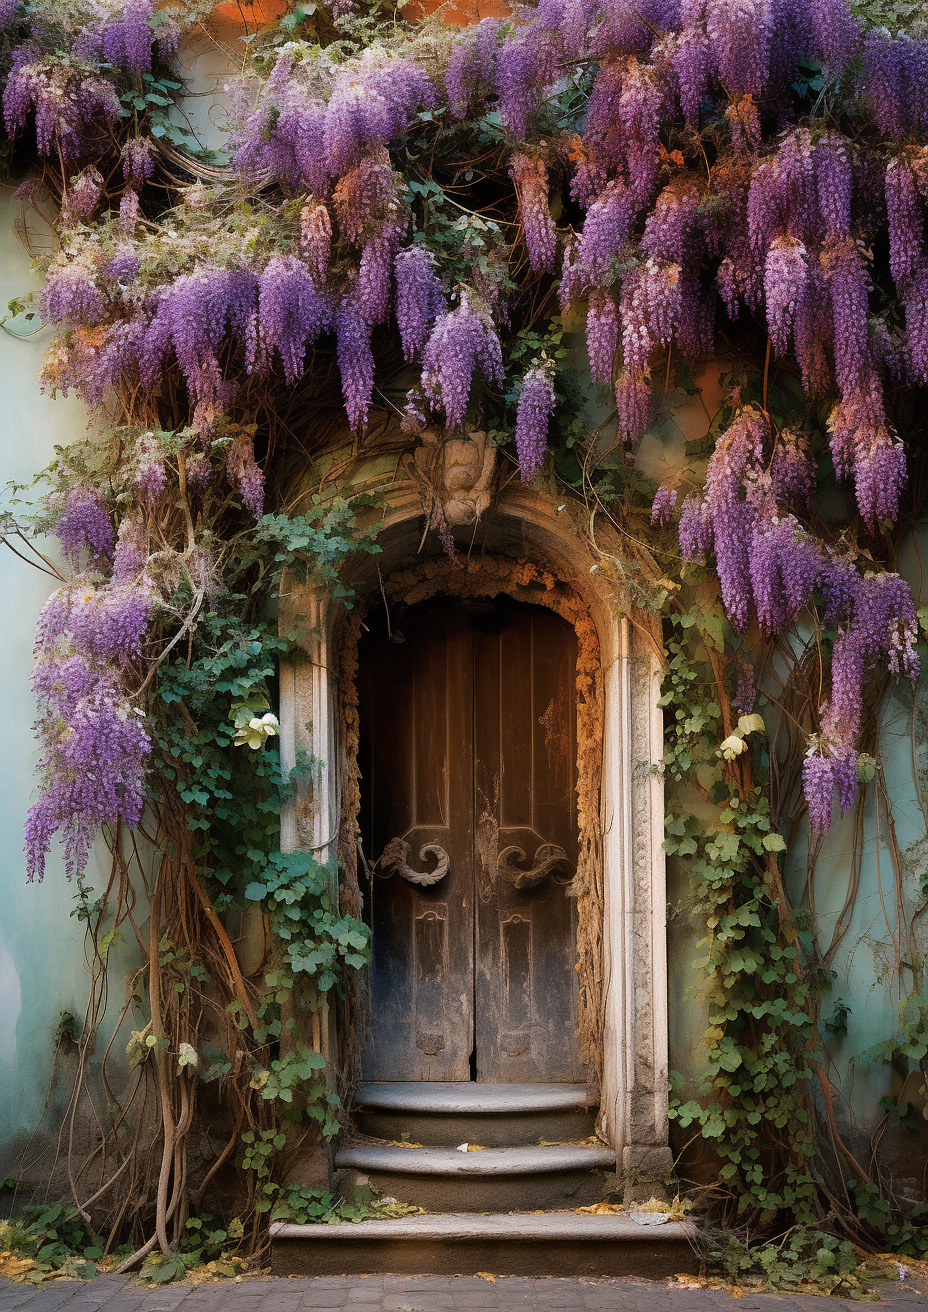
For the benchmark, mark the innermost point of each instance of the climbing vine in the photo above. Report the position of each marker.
(409, 226)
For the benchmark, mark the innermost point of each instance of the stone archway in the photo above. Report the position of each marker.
(631, 994)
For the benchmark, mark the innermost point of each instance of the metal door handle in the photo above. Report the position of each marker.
(394, 859)
(548, 859)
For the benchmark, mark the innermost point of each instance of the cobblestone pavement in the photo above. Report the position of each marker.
(421, 1294)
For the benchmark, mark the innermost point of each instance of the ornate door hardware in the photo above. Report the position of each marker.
(393, 860)
(549, 859)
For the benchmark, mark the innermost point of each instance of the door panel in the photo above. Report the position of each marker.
(416, 709)
(468, 740)
(524, 752)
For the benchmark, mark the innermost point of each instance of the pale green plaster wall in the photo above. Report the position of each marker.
(42, 971)
(41, 947)
(865, 964)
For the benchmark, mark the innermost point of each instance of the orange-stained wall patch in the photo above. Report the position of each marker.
(251, 13)
(461, 13)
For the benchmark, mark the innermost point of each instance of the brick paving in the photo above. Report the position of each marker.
(388, 1293)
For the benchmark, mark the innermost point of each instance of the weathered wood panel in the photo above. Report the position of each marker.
(469, 741)
(416, 707)
(525, 766)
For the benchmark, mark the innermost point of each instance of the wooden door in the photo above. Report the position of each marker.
(467, 755)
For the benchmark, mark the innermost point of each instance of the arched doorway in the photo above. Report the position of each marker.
(527, 550)
(468, 822)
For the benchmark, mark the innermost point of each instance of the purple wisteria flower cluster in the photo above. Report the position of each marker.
(94, 742)
(81, 522)
(535, 407)
(305, 136)
(770, 568)
(530, 177)
(73, 96)
(463, 340)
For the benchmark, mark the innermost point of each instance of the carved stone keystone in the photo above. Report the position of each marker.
(455, 476)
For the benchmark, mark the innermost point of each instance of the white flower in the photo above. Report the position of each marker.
(256, 731)
(733, 746)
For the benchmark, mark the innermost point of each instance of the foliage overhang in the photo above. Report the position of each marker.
(412, 220)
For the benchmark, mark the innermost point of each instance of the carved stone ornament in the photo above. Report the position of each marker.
(455, 475)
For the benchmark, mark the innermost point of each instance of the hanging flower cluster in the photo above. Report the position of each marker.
(94, 743)
(73, 97)
(770, 568)
(536, 405)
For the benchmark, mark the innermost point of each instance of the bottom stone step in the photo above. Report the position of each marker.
(506, 1244)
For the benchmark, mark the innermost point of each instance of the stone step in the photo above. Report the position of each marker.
(495, 1180)
(495, 1115)
(551, 1244)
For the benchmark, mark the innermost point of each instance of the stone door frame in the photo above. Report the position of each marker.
(634, 1095)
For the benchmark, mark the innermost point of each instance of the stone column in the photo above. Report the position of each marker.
(309, 821)
(646, 1148)
(635, 1092)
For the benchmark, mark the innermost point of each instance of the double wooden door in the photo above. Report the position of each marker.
(469, 836)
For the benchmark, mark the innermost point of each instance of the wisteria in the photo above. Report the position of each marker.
(896, 82)
(94, 742)
(293, 311)
(792, 471)
(367, 199)
(525, 64)
(770, 567)
(82, 197)
(878, 624)
(192, 321)
(461, 341)
(371, 103)
(65, 100)
(665, 167)
(123, 267)
(355, 360)
(138, 160)
(530, 176)
(129, 212)
(71, 294)
(785, 276)
(471, 66)
(245, 474)
(127, 40)
(419, 297)
(786, 565)
(536, 405)
(130, 558)
(663, 505)
(283, 136)
(316, 237)
(151, 475)
(82, 523)
(602, 334)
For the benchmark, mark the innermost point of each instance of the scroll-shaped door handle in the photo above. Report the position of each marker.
(548, 859)
(395, 858)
